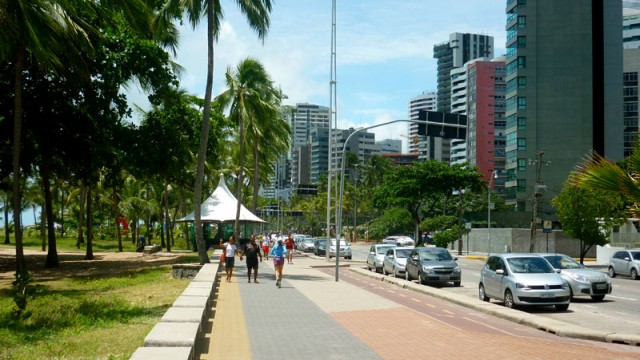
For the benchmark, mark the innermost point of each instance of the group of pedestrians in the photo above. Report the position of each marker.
(252, 252)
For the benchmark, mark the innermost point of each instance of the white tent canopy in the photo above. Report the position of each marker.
(221, 206)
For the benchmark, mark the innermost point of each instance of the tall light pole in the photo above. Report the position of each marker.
(494, 174)
(332, 116)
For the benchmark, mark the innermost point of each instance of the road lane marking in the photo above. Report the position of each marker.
(622, 298)
(416, 300)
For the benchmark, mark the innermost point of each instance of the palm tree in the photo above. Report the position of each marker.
(269, 138)
(257, 13)
(249, 96)
(598, 173)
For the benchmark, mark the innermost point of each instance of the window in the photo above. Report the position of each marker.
(522, 164)
(522, 144)
(522, 123)
(522, 82)
(522, 62)
(522, 41)
(522, 185)
(522, 21)
(512, 138)
(522, 103)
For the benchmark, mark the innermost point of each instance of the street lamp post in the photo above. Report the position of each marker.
(494, 174)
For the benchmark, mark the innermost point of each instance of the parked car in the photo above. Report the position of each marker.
(625, 262)
(306, 244)
(345, 249)
(399, 240)
(320, 247)
(395, 261)
(523, 279)
(376, 256)
(582, 280)
(432, 265)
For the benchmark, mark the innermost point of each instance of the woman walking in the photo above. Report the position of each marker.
(230, 251)
(279, 251)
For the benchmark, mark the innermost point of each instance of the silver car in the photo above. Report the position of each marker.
(395, 261)
(582, 280)
(433, 265)
(399, 240)
(625, 262)
(523, 279)
(345, 249)
(376, 256)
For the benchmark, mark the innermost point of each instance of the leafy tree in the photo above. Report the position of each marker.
(393, 221)
(412, 187)
(588, 215)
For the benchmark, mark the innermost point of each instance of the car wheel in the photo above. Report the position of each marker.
(562, 307)
(597, 297)
(421, 278)
(456, 283)
(481, 294)
(508, 299)
(634, 274)
(384, 271)
(612, 272)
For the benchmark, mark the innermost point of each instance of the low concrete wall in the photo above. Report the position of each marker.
(176, 336)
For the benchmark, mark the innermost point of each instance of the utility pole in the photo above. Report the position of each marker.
(538, 189)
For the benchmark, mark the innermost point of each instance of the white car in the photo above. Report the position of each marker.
(345, 249)
(399, 240)
(395, 261)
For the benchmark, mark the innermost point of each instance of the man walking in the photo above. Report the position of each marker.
(252, 251)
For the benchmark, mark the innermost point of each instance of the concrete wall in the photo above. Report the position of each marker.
(517, 240)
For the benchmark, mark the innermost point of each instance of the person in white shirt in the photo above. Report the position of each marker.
(230, 251)
(266, 242)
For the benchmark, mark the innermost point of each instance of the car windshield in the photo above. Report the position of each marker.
(383, 249)
(403, 253)
(342, 243)
(430, 255)
(563, 262)
(308, 241)
(529, 265)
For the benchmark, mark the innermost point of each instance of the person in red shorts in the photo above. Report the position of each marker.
(290, 244)
(266, 242)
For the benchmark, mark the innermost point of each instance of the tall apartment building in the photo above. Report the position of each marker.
(389, 146)
(563, 93)
(486, 119)
(305, 118)
(631, 61)
(451, 55)
(418, 144)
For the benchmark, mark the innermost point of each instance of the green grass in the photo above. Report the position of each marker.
(87, 318)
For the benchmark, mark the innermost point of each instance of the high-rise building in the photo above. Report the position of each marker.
(485, 119)
(305, 118)
(418, 144)
(451, 55)
(631, 28)
(389, 146)
(631, 61)
(563, 93)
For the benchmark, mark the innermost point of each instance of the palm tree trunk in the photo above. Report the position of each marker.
(256, 177)
(21, 265)
(83, 196)
(6, 220)
(167, 220)
(236, 227)
(43, 227)
(116, 216)
(204, 135)
(52, 253)
(89, 253)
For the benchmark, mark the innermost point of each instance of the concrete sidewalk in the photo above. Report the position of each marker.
(261, 321)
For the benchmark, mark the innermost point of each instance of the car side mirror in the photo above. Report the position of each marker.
(500, 272)
(558, 270)
(390, 256)
(455, 258)
(372, 252)
(627, 259)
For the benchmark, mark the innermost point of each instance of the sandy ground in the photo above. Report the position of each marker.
(74, 264)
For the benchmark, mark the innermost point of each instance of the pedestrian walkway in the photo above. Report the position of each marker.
(261, 321)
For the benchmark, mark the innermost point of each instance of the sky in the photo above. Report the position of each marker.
(384, 52)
